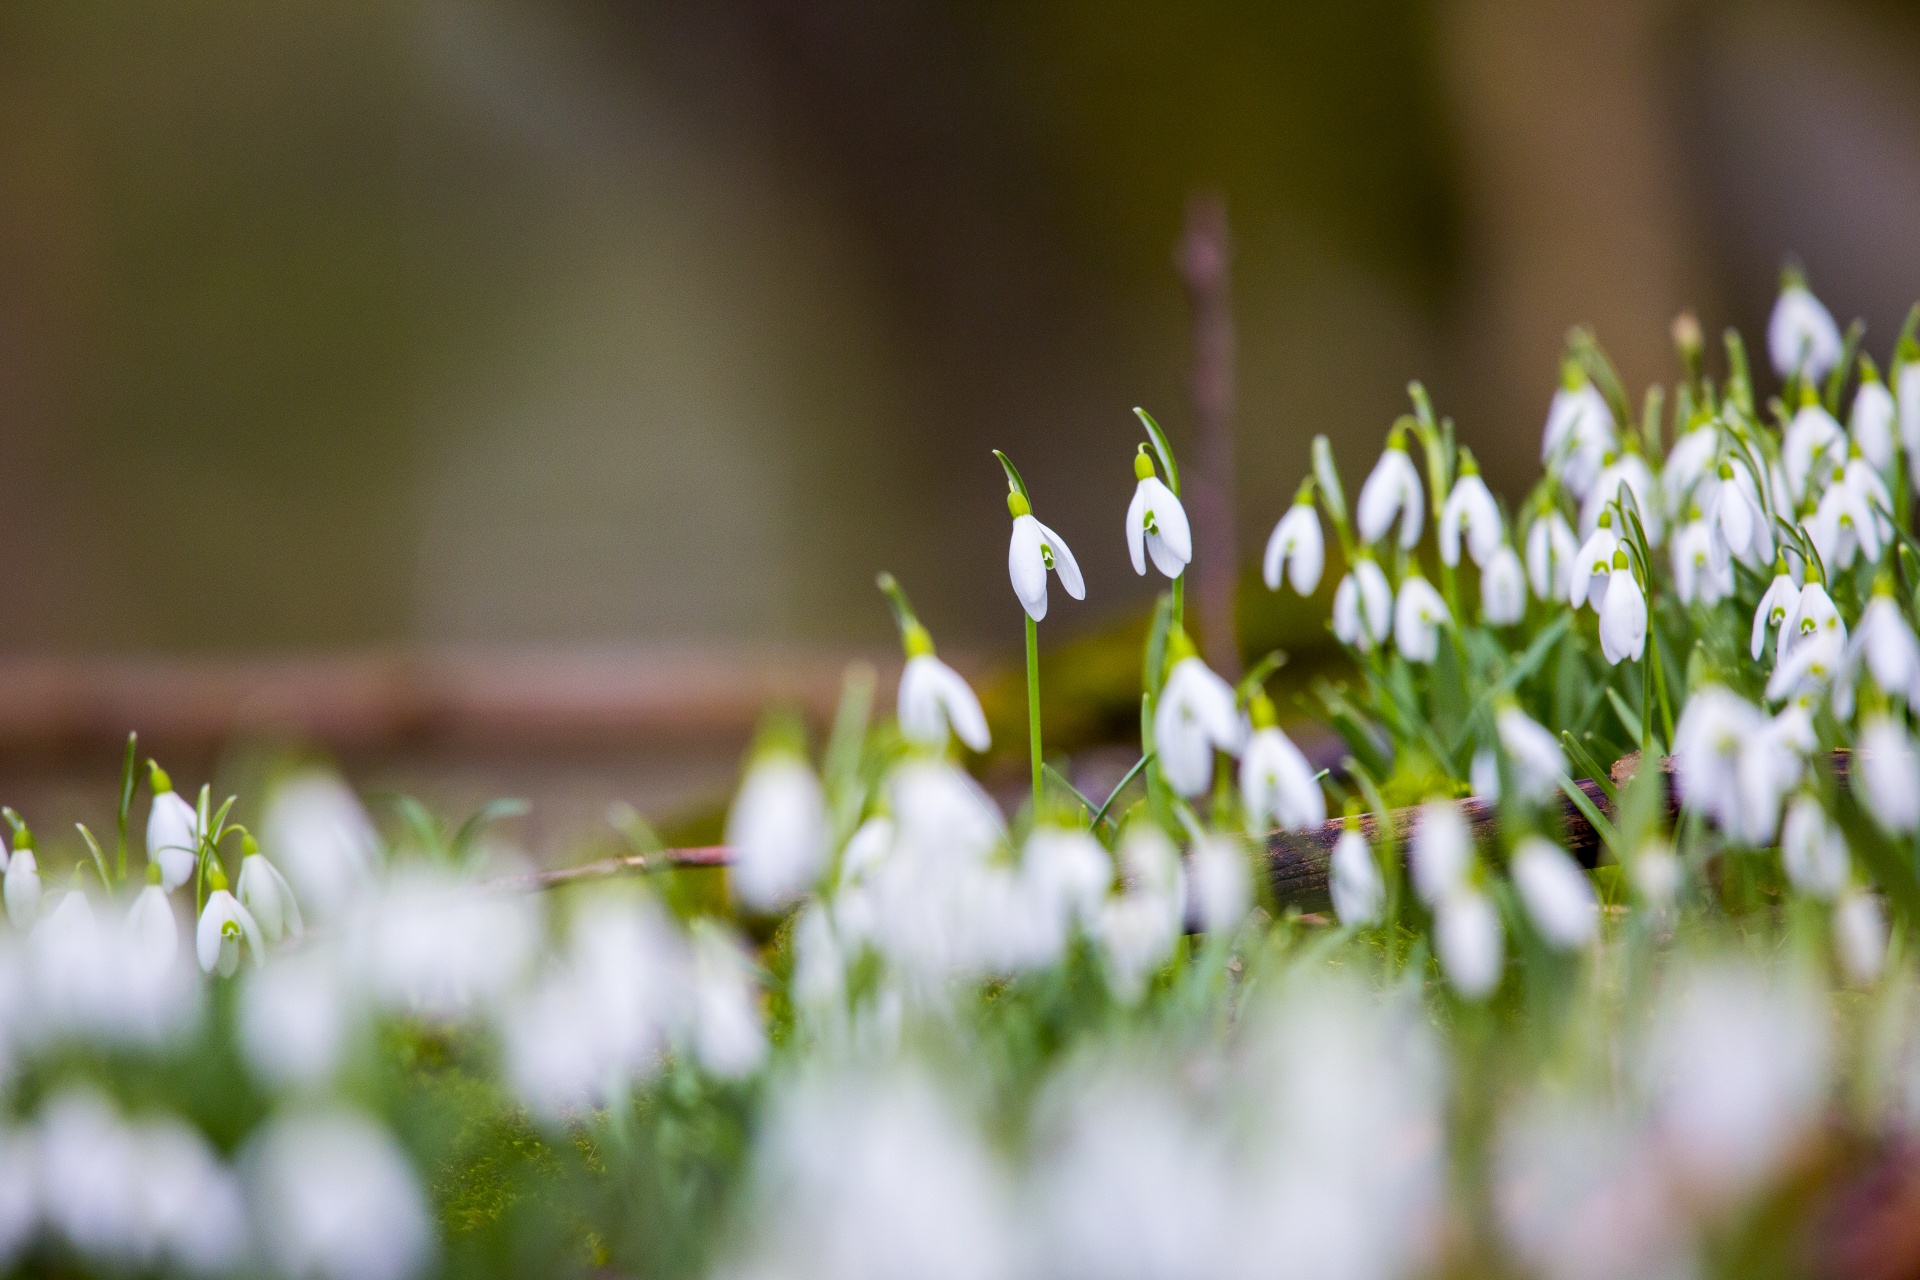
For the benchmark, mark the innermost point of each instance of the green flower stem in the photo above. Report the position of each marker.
(1179, 602)
(1033, 706)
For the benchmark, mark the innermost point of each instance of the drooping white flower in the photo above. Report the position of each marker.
(151, 927)
(1579, 433)
(22, 887)
(1809, 668)
(1469, 941)
(1781, 601)
(1871, 424)
(1552, 554)
(1690, 458)
(1277, 784)
(1392, 489)
(1195, 717)
(1812, 447)
(173, 832)
(1556, 893)
(318, 833)
(726, 1032)
(1068, 871)
(1860, 935)
(1731, 504)
(1656, 874)
(1628, 471)
(224, 926)
(1156, 523)
(1418, 615)
(777, 830)
(1503, 589)
(1363, 606)
(436, 947)
(1442, 851)
(265, 893)
(1139, 928)
(1483, 775)
(1845, 525)
(1470, 508)
(1353, 877)
(1221, 883)
(1702, 568)
(335, 1199)
(1593, 565)
(1032, 551)
(1812, 850)
(1886, 774)
(1538, 761)
(1623, 615)
(1813, 615)
(1888, 645)
(1801, 335)
(294, 1018)
(1736, 765)
(933, 696)
(1297, 546)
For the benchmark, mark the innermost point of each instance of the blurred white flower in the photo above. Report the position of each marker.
(1593, 565)
(295, 1015)
(1359, 893)
(1887, 643)
(1442, 851)
(777, 830)
(1781, 601)
(1222, 883)
(434, 947)
(1907, 398)
(727, 1036)
(1623, 615)
(1278, 786)
(322, 839)
(1156, 523)
(1809, 667)
(1813, 614)
(1297, 546)
(1871, 423)
(1469, 942)
(1812, 849)
(190, 1209)
(938, 809)
(1552, 555)
(1033, 550)
(1811, 448)
(1702, 567)
(1195, 717)
(1538, 761)
(1483, 775)
(19, 1195)
(934, 696)
(1886, 774)
(1503, 589)
(1690, 459)
(1556, 893)
(1801, 335)
(1138, 929)
(152, 928)
(1470, 508)
(1418, 615)
(224, 926)
(1860, 935)
(1578, 436)
(1626, 472)
(1363, 606)
(1392, 489)
(1731, 504)
(173, 832)
(333, 1198)
(103, 984)
(265, 893)
(1844, 527)
(1068, 872)
(89, 1177)
(1656, 875)
(1735, 764)
(22, 888)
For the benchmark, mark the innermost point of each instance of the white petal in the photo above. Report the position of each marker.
(1065, 565)
(1025, 567)
(1137, 528)
(962, 707)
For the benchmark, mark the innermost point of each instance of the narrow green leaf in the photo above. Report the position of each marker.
(1593, 815)
(1161, 447)
(1628, 720)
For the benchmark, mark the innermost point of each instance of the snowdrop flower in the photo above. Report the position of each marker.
(190, 1208)
(1656, 874)
(1629, 471)
(1907, 398)
(1579, 432)
(1860, 935)
(1503, 589)
(1812, 446)
(1781, 601)
(1871, 423)
(1690, 458)
(1732, 506)
(1034, 549)
(1845, 525)
(1442, 851)
(933, 696)
(1068, 870)
(1809, 668)
(1353, 877)
(1483, 775)
(22, 885)
(727, 1036)
(1593, 564)
(1538, 761)
(1813, 615)
(334, 1199)
(1813, 850)
(1156, 523)
(1623, 615)
(151, 926)
(89, 1172)
(322, 838)
(265, 893)
(1469, 941)
(1886, 774)
(1736, 766)
(1222, 885)
(1801, 335)
(1552, 554)
(224, 925)
(1195, 716)
(1363, 606)
(1702, 569)
(1886, 641)
(436, 947)
(1392, 489)
(1297, 546)
(294, 1017)
(1138, 929)
(777, 830)
(173, 831)
(1277, 785)
(1418, 615)
(1556, 893)
(1470, 508)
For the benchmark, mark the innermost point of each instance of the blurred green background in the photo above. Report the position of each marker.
(334, 323)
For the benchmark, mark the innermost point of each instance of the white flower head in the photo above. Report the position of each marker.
(1032, 551)
(1630, 473)
(1353, 877)
(1277, 784)
(1297, 546)
(1886, 774)
(152, 928)
(1887, 643)
(1845, 525)
(1736, 765)
(1702, 566)
(1538, 761)
(333, 1196)
(1593, 564)
(1156, 523)
(321, 837)
(1503, 589)
(1812, 447)
(1470, 508)
(1552, 554)
(1392, 489)
(22, 886)
(1363, 606)
(1222, 884)
(224, 926)
(1556, 893)
(1813, 615)
(265, 893)
(1418, 615)
(173, 831)
(1469, 941)
(1195, 717)
(1623, 615)
(1579, 433)
(1781, 602)
(933, 696)
(1860, 935)
(1906, 382)
(1690, 459)
(1871, 424)
(1801, 335)
(777, 830)
(1442, 851)
(1813, 850)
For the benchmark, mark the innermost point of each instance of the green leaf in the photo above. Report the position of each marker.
(99, 859)
(495, 810)
(1593, 815)
(1628, 720)
(1161, 447)
(1013, 476)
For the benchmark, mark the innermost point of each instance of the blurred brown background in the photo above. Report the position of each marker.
(555, 376)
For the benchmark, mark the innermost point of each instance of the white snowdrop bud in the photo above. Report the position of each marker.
(1359, 892)
(1470, 942)
(1442, 850)
(1556, 893)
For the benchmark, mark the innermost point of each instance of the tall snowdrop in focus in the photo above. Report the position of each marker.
(1470, 509)
(1418, 615)
(173, 831)
(1033, 551)
(1157, 527)
(1593, 564)
(1297, 546)
(1623, 615)
(1392, 489)
(1195, 717)
(1802, 339)
(933, 696)
(265, 893)
(224, 926)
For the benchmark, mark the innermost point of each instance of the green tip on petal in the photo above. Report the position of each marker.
(153, 872)
(1469, 465)
(1180, 647)
(1619, 560)
(1017, 504)
(1261, 711)
(158, 776)
(216, 875)
(1142, 464)
(1808, 396)
(248, 845)
(916, 640)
